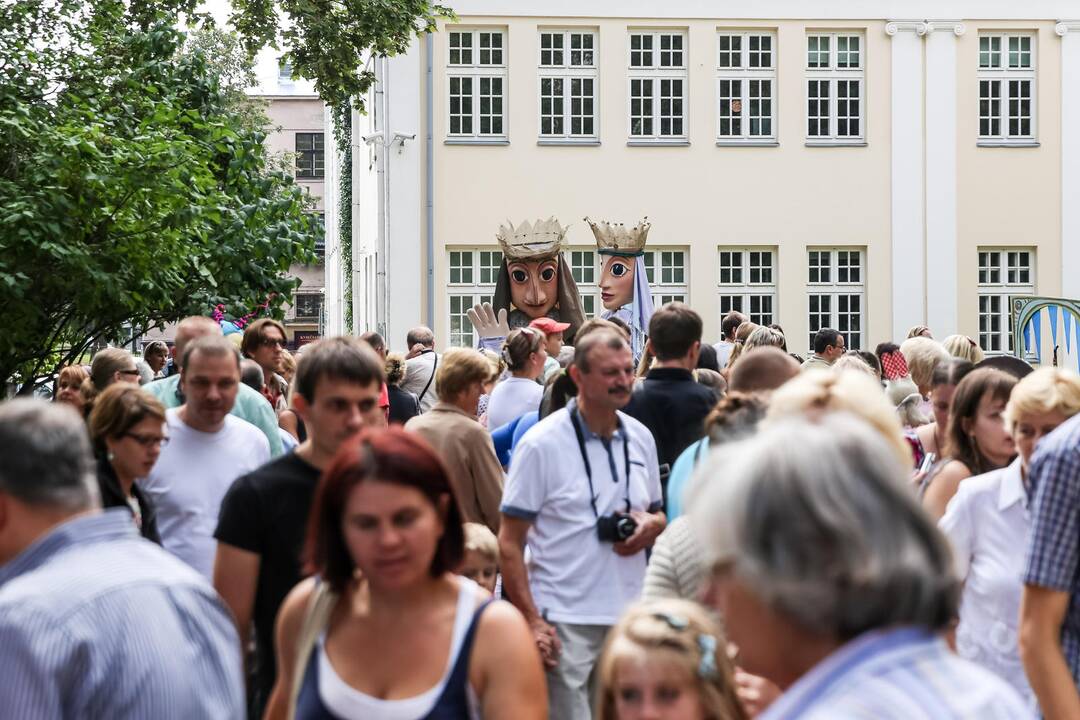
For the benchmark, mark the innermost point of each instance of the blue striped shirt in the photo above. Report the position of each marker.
(902, 674)
(96, 622)
(1053, 559)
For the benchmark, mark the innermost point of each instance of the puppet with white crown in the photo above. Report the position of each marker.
(534, 281)
(624, 284)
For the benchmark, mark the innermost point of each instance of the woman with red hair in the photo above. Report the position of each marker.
(385, 629)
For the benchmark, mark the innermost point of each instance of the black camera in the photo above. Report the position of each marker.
(615, 527)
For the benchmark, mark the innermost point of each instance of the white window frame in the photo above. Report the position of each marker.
(745, 75)
(995, 291)
(477, 287)
(740, 286)
(1003, 78)
(668, 274)
(586, 274)
(833, 76)
(839, 288)
(657, 74)
(567, 72)
(476, 73)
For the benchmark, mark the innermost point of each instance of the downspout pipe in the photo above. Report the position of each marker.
(429, 173)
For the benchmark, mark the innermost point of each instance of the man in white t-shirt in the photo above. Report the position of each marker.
(728, 326)
(576, 478)
(207, 450)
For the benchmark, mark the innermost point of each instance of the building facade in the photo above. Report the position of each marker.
(809, 167)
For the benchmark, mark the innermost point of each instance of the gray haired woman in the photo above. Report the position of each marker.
(833, 582)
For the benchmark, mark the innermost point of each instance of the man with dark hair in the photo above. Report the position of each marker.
(669, 401)
(375, 340)
(828, 347)
(260, 532)
(574, 477)
(250, 404)
(420, 365)
(728, 326)
(208, 449)
(96, 622)
(264, 342)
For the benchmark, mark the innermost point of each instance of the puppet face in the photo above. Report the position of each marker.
(534, 285)
(617, 282)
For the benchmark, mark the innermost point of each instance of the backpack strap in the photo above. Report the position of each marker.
(316, 617)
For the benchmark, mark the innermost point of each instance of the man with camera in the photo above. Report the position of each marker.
(584, 494)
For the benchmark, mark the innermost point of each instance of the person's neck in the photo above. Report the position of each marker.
(391, 606)
(601, 421)
(268, 374)
(804, 652)
(32, 524)
(526, 374)
(126, 481)
(682, 363)
(189, 419)
(465, 404)
(312, 454)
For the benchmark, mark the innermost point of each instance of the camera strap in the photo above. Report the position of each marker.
(574, 419)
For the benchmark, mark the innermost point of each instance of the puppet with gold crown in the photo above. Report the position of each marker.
(534, 281)
(624, 284)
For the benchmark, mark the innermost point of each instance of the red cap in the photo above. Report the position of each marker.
(548, 326)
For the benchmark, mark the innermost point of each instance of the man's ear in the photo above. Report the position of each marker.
(575, 374)
(5, 511)
(300, 405)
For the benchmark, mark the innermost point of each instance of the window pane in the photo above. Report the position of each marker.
(641, 101)
(817, 55)
(729, 112)
(760, 52)
(817, 111)
(730, 51)
(847, 108)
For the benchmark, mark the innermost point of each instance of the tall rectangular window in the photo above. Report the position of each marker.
(835, 87)
(658, 77)
(585, 269)
(476, 84)
(568, 84)
(836, 293)
(747, 283)
(471, 276)
(310, 160)
(1006, 86)
(1003, 273)
(665, 269)
(746, 86)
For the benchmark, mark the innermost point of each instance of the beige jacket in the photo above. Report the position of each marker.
(816, 361)
(466, 450)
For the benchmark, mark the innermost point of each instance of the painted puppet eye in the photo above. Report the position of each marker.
(619, 270)
(519, 276)
(547, 274)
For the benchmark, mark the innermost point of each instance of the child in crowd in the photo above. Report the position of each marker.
(481, 563)
(667, 658)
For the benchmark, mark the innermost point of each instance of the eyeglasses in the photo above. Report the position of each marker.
(148, 440)
(273, 342)
(133, 371)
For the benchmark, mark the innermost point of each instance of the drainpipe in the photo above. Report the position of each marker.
(429, 177)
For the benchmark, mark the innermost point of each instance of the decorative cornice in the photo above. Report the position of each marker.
(954, 26)
(1065, 26)
(895, 26)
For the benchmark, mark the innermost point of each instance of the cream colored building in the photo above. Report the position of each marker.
(810, 163)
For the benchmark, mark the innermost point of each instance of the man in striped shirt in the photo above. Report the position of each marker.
(96, 622)
(833, 582)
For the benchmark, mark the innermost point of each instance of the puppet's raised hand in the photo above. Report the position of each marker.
(492, 329)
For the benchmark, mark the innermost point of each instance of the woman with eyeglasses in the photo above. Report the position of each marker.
(111, 365)
(127, 427)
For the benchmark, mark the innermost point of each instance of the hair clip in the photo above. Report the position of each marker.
(675, 622)
(707, 667)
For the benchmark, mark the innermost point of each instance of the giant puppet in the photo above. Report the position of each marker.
(534, 281)
(624, 284)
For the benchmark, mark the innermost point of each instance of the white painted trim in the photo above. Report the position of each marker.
(1070, 157)
(773, 9)
(908, 178)
(941, 182)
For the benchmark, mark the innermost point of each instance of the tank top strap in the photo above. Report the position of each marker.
(454, 703)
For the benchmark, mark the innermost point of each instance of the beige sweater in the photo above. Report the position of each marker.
(676, 568)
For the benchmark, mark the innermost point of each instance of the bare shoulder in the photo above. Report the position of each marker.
(500, 628)
(295, 605)
(954, 471)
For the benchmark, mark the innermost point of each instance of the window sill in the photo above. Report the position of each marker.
(561, 142)
(658, 143)
(835, 143)
(310, 179)
(478, 141)
(747, 143)
(1008, 143)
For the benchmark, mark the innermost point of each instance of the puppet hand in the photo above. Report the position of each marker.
(486, 323)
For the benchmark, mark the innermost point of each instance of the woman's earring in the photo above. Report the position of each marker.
(110, 455)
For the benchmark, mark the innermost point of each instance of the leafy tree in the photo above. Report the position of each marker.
(134, 187)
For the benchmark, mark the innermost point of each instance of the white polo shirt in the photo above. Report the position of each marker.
(574, 577)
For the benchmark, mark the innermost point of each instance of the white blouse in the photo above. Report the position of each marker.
(988, 524)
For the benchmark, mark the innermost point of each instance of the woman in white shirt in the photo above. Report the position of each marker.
(524, 353)
(988, 523)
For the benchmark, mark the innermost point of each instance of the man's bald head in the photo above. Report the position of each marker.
(190, 328)
(762, 369)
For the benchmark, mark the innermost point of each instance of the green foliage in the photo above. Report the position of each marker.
(342, 127)
(134, 186)
(327, 39)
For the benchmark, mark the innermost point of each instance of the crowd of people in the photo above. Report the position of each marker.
(715, 532)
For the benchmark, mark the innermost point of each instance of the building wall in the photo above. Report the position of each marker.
(920, 195)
